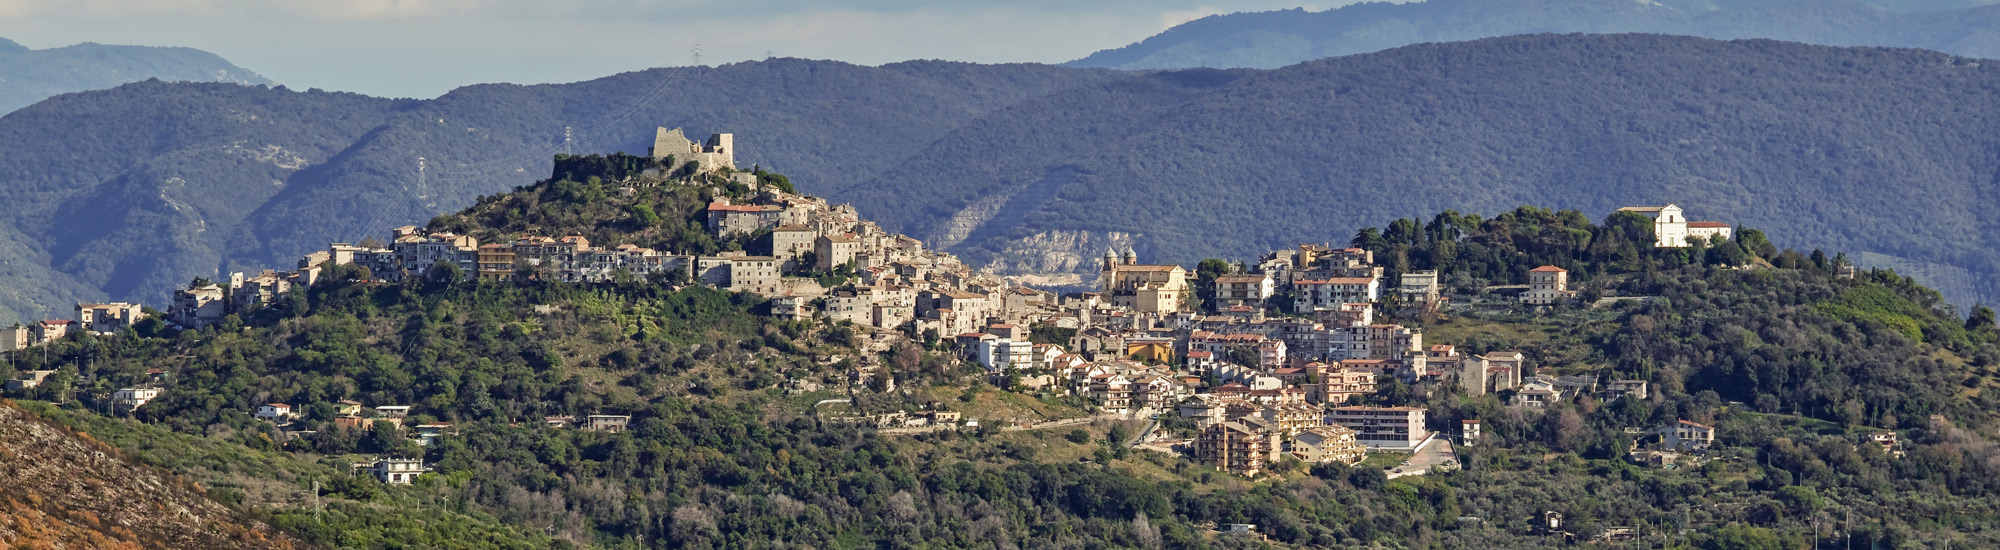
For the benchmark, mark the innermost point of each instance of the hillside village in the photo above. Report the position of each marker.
(1269, 361)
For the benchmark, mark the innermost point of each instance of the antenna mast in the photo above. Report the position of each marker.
(696, 50)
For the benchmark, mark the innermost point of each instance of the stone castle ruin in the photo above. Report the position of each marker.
(718, 152)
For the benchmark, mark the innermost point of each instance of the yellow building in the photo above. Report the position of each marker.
(1143, 288)
(1150, 350)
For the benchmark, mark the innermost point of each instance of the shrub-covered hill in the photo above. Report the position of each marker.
(64, 489)
(720, 455)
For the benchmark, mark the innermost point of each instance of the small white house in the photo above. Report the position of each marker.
(274, 411)
(134, 397)
(396, 471)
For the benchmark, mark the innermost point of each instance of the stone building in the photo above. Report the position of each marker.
(831, 251)
(1143, 288)
(1547, 285)
(108, 317)
(725, 219)
(718, 152)
(1671, 228)
(198, 306)
(1328, 445)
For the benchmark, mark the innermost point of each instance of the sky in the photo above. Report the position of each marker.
(424, 48)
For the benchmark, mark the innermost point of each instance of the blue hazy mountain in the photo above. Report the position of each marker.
(29, 75)
(1278, 38)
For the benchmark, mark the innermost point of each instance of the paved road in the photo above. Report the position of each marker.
(1134, 442)
(1437, 452)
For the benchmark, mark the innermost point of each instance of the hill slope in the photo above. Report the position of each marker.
(124, 193)
(1887, 151)
(1038, 168)
(1278, 38)
(720, 455)
(65, 490)
(28, 76)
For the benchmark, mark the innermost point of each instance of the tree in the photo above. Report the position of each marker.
(443, 271)
(644, 216)
(1205, 274)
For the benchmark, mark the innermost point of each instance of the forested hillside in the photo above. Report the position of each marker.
(29, 75)
(1794, 364)
(1857, 149)
(1267, 40)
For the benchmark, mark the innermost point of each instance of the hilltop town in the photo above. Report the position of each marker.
(1269, 360)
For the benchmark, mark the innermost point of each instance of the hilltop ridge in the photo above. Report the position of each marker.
(1272, 39)
(29, 75)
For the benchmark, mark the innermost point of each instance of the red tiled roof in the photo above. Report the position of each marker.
(1548, 269)
(1709, 225)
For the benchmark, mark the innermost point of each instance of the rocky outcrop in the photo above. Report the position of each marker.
(1056, 258)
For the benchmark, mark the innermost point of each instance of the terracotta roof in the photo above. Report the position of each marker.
(1709, 225)
(1548, 269)
(1147, 267)
(1697, 424)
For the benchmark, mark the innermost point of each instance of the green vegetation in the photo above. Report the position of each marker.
(1794, 365)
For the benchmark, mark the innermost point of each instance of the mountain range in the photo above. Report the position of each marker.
(1887, 151)
(1034, 170)
(30, 75)
(1266, 40)
(128, 192)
